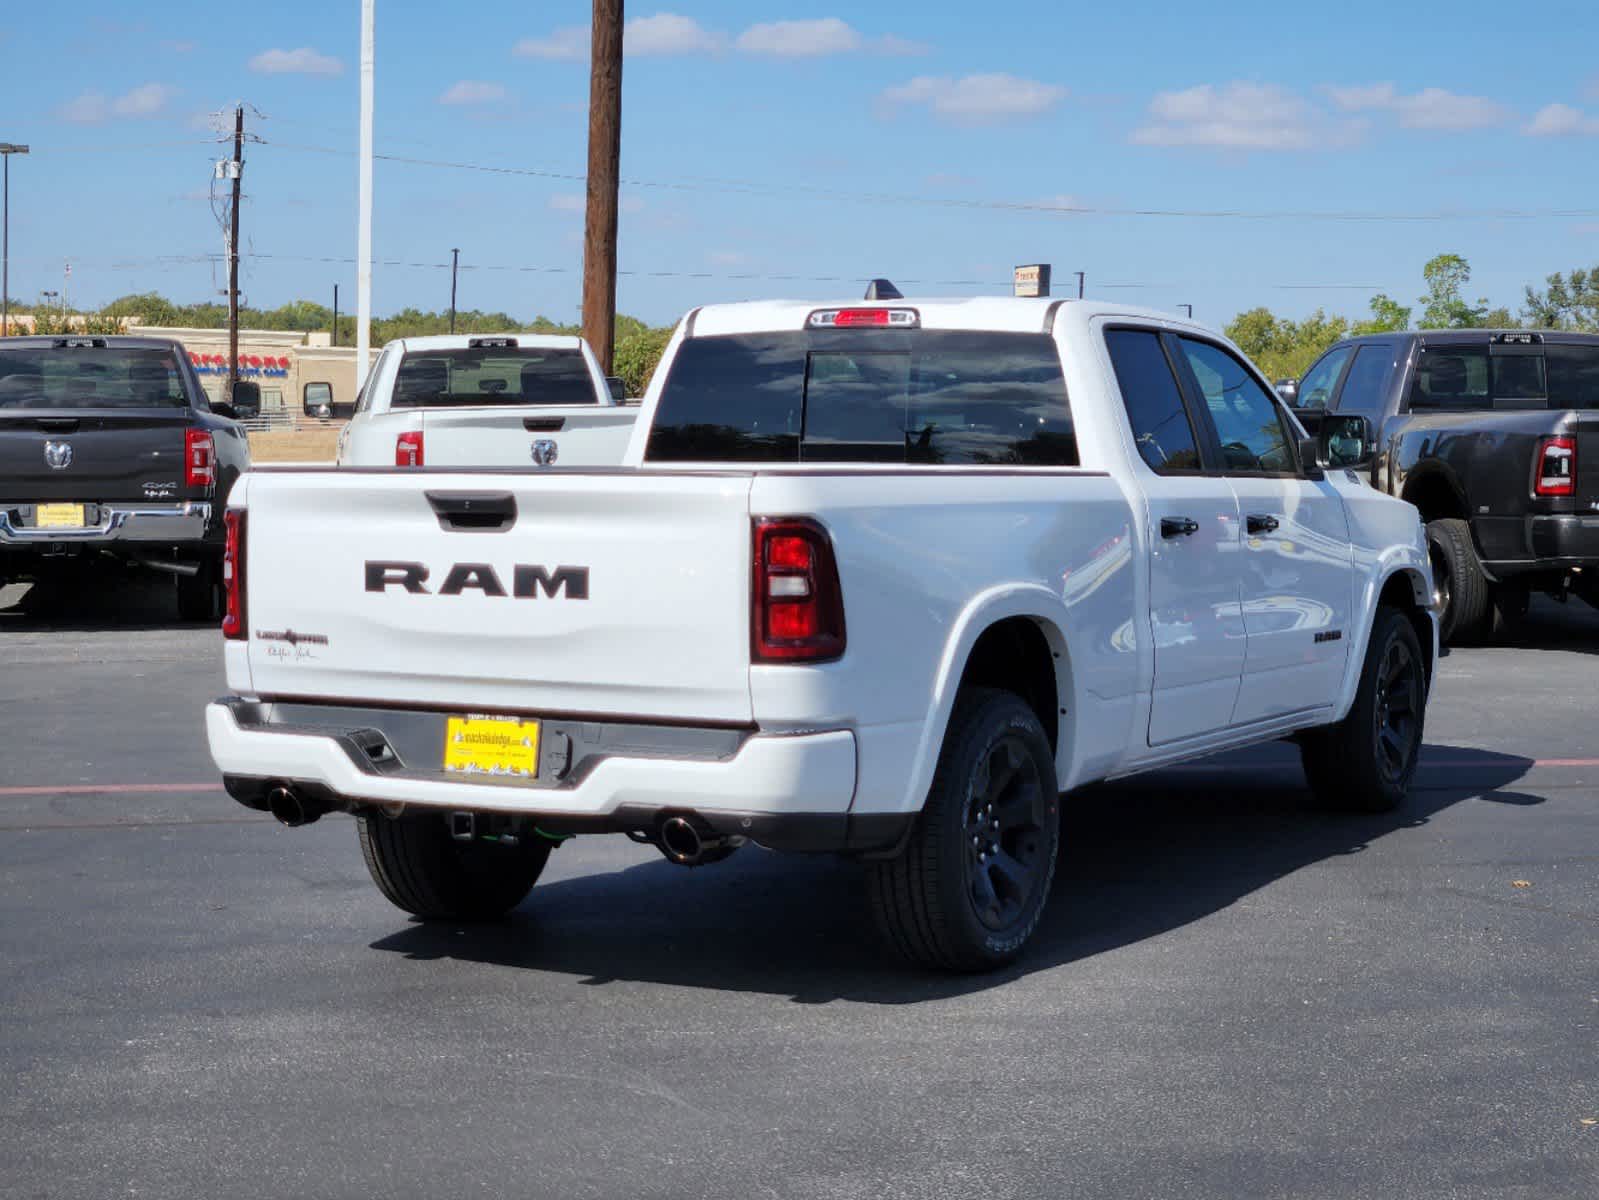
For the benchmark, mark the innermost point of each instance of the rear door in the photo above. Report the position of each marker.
(1194, 547)
(620, 594)
(1295, 561)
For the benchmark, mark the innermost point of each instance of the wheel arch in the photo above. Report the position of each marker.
(1404, 586)
(1437, 493)
(1012, 639)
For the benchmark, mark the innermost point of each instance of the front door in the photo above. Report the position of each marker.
(1295, 561)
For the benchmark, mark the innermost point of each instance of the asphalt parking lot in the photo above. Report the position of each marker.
(1232, 995)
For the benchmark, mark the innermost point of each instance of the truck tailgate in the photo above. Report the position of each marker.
(387, 587)
(592, 435)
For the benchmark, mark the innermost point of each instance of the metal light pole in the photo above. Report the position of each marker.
(455, 263)
(334, 340)
(1082, 279)
(1188, 310)
(7, 149)
(363, 252)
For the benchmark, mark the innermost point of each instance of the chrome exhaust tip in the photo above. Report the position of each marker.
(286, 804)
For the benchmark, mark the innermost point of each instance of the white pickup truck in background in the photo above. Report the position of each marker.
(883, 579)
(466, 400)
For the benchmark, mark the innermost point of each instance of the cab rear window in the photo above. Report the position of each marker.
(488, 376)
(919, 397)
(90, 377)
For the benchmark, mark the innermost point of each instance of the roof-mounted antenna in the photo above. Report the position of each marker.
(882, 289)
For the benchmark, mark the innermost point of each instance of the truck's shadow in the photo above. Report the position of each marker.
(1140, 858)
(1550, 625)
(109, 600)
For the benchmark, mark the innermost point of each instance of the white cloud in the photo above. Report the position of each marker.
(978, 99)
(1561, 120)
(473, 91)
(564, 45)
(304, 61)
(146, 100)
(801, 39)
(1431, 108)
(1237, 116)
(669, 33)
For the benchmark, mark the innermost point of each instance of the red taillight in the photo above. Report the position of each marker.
(408, 449)
(797, 614)
(199, 458)
(1556, 467)
(233, 573)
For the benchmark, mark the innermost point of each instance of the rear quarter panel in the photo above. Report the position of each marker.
(928, 561)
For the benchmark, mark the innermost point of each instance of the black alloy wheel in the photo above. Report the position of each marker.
(1006, 815)
(1397, 713)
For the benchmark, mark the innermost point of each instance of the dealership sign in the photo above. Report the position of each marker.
(250, 365)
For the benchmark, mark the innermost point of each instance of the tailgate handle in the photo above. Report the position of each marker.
(57, 424)
(474, 512)
(543, 424)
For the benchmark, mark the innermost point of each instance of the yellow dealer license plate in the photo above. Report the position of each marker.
(58, 516)
(506, 746)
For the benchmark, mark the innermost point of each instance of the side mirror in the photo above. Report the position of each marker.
(323, 412)
(1347, 440)
(618, 388)
(1288, 389)
(246, 398)
(223, 409)
(317, 400)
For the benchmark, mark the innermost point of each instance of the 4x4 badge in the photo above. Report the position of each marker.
(58, 455)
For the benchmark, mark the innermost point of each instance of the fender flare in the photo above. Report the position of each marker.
(1032, 601)
(1400, 563)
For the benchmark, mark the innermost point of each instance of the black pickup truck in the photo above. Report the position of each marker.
(108, 446)
(1494, 436)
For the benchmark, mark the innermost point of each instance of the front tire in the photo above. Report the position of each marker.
(421, 869)
(967, 891)
(1366, 762)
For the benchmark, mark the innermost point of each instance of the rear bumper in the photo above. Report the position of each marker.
(1554, 543)
(166, 524)
(788, 792)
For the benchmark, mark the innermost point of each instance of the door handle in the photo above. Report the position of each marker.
(1171, 527)
(1260, 523)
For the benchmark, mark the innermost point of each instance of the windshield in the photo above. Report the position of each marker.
(90, 377)
(492, 376)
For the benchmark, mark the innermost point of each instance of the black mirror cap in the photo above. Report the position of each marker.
(1313, 457)
(617, 386)
(246, 398)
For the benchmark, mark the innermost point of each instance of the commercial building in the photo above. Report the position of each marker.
(283, 362)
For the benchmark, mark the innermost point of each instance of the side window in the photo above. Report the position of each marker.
(1248, 422)
(1454, 377)
(1365, 387)
(1573, 376)
(1316, 388)
(1154, 403)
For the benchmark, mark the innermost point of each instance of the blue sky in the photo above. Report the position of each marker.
(815, 140)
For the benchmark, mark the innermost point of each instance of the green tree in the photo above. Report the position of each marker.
(149, 308)
(637, 356)
(1387, 316)
(1443, 306)
(1569, 302)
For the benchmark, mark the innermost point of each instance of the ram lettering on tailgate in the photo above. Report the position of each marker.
(526, 580)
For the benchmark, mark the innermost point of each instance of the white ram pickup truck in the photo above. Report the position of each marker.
(465, 400)
(879, 579)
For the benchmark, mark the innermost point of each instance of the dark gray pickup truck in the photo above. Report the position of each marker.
(108, 446)
(1494, 436)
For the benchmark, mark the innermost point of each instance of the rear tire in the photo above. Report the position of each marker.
(1365, 762)
(1458, 580)
(424, 871)
(200, 594)
(968, 889)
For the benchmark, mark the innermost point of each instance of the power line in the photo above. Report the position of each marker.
(754, 187)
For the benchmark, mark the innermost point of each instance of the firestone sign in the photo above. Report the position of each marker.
(250, 365)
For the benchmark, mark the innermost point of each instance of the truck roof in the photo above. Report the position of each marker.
(1557, 337)
(113, 341)
(463, 341)
(994, 313)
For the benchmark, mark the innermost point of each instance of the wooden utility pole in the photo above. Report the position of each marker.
(605, 164)
(233, 252)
